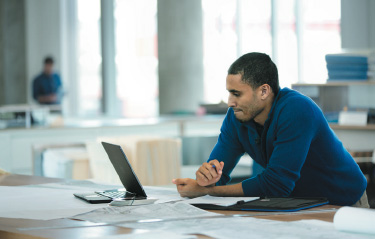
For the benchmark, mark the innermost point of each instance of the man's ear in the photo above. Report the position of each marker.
(265, 91)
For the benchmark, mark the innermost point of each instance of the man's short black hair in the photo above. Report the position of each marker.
(256, 69)
(48, 60)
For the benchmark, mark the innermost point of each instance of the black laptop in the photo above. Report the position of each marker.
(120, 162)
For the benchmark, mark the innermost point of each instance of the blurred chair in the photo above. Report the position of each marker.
(155, 160)
(3, 172)
(67, 162)
(61, 161)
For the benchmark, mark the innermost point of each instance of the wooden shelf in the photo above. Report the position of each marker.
(337, 83)
(363, 159)
(352, 127)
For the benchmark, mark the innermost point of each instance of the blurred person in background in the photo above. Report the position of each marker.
(47, 87)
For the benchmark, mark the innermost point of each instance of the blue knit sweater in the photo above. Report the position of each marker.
(301, 155)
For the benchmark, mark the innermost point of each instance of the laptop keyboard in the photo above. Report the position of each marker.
(117, 194)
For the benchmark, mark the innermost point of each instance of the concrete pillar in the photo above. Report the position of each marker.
(13, 84)
(180, 51)
(371, 11)
(357, 24)
(43, 38)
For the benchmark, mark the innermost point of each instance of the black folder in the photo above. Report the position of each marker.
(271, 204)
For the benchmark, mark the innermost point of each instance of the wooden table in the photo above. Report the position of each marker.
(67, 228)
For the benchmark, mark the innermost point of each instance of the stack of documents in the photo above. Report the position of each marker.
(351, 65)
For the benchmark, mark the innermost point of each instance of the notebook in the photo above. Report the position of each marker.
(134, 189)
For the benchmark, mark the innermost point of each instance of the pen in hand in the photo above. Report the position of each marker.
(214, 166)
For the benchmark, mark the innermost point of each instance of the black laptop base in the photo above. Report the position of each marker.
(93, 198)
(107, 196)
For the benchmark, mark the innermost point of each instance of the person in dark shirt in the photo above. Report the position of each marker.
(47, 86)
(286, 133)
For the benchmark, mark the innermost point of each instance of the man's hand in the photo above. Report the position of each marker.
(51, 98)
(188, 187)
(209, 173)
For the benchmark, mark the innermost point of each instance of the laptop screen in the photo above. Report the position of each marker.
(124, 170)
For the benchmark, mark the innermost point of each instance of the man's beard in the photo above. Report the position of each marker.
(250, 113)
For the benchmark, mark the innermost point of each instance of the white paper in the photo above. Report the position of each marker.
(78, 185)
(315, 222)
(248, 227)
(151, 235)
(221, 201)
(146, 213)
(41, 203)
(163, 194)
(358, 118)
(351, 219)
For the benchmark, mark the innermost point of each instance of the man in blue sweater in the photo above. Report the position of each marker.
(47, 87)
(283, 131)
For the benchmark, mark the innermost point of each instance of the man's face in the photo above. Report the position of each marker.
(48, 68)
(243, 99)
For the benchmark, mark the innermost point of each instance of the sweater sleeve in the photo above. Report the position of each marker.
(228, 148)
(295, 129)
(36, 89)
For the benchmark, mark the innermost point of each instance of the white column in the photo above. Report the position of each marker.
(109, 101)
(69, 56)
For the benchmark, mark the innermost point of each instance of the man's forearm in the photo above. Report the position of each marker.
(47, 98)
(234, 190)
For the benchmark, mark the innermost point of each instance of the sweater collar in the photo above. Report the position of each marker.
(275, 101)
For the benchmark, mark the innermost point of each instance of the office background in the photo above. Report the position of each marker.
(147, 58)
(141, 58)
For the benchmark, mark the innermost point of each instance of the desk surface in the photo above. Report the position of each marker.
(67, 228)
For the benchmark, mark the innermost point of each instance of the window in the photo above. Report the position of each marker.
(89, 58)
(136, 57)
(321, 35)
(231, 29)
(254, 25)
(297, 36)
(295, 33)
(219, 45)
(286, 45)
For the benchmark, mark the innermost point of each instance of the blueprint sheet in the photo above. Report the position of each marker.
(144, 213)
(249, 227)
